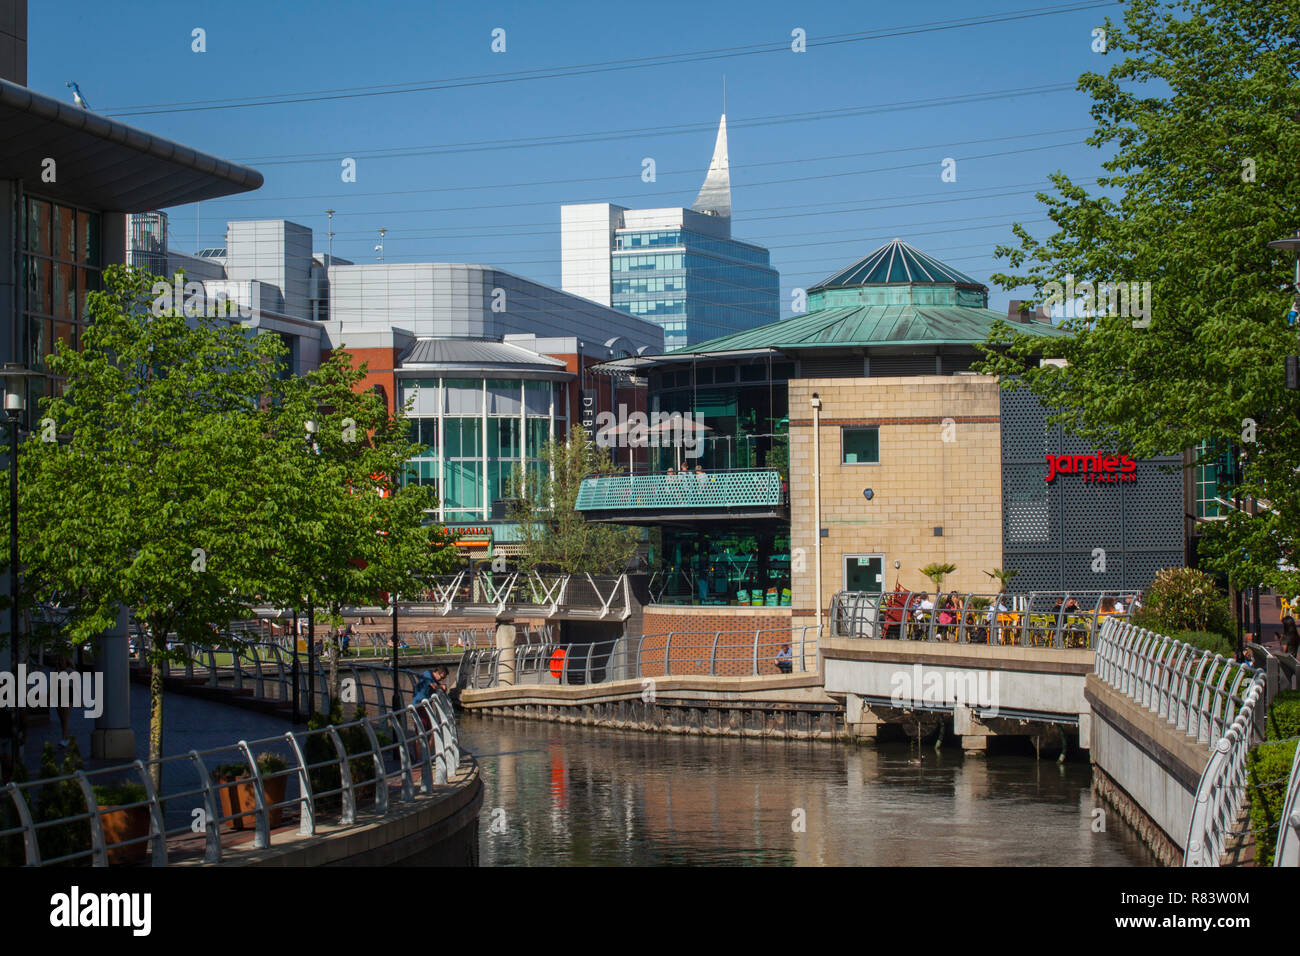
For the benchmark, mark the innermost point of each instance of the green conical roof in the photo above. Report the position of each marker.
(894, 262)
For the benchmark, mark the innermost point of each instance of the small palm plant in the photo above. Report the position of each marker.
(1004, 576)
(936, 573)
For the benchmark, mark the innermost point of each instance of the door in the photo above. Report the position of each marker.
(864, 572)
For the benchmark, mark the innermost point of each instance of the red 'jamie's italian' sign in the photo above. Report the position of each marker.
(1094, 467)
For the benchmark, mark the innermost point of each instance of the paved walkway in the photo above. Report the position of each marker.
(189, 724)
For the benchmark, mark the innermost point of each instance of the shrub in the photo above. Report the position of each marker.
(270, 763)
(230, 771)
(1284, 716)
(1207, 641)
(119, 794)
(1185, 599)
(1268, 766)
(58, 800)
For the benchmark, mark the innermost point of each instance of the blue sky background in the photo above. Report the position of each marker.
(816, 213)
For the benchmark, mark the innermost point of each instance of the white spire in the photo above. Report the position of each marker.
(715, 195)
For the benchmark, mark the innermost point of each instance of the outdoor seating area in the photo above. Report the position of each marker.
(1063, 619)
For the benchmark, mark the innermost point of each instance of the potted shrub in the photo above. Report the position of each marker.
(239, 795)
(121, 822)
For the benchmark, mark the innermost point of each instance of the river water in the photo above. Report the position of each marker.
(566, 795)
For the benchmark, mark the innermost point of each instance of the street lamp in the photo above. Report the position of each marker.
(816, 403)
(310, 427)
(15, 404)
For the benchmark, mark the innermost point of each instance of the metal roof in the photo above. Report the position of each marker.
(102, 163)
(465, 353)
(869, 325)
(897, 262)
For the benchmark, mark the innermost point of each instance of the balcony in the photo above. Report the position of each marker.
(643, 499)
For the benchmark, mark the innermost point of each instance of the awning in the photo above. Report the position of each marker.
(104, 164)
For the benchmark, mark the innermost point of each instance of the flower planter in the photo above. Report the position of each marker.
(122, 824)
(239, 801)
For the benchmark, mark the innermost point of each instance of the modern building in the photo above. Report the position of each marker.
(494, 366)
(679, 268)
(68, 180)
(868, 404)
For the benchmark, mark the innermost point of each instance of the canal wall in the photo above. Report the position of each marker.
(1145, 768)
(792, 706)
(437, 829)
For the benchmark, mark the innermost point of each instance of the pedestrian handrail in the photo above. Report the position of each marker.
(1051, 619)
(1198, 692)
(759, 652)
(366, 756)
(1288, 834)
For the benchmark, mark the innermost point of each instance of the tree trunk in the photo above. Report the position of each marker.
(335, 687)
(158, 642)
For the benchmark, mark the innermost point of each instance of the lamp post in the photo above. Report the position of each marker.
(816, 403)
(310, 427)
(15, 405)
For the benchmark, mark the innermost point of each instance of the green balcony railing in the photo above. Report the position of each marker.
(719, 489)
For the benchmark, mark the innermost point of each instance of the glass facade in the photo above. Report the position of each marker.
(61, 262)
(741, 563)
(743, 408)
(1206, 481)
(475, 433)
(695, 287)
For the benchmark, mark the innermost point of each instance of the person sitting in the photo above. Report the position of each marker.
(784, 660)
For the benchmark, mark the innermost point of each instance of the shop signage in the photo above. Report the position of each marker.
(1092, 468)
(470, 536)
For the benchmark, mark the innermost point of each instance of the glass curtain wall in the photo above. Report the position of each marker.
(475, 432)
(741, 564)
(60, 264)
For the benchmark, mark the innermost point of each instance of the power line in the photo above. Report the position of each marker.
(694, 171)
(605, 66)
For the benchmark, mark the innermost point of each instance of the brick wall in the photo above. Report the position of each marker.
(708, 639)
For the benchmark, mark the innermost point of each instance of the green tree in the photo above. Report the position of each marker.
(147, 500)
(552, 533)
(1201, 175)
(349, 527)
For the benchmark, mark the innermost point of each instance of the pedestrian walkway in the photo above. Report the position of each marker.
(189, 723)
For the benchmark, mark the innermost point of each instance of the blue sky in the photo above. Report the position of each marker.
(497, 202)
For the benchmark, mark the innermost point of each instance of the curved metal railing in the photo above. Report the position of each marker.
(1288, 835)
(761, 652)
(1058, 619)
(415, 747)
(1196, 691)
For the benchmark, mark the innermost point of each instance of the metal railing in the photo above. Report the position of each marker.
(1288, 834)
(1056, 619)
(1212, 699)
(1198, 692)
(585, 596)
(414, 748)
(744, 488)
(761, 652)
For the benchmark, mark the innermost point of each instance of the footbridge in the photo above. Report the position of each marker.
(527, 594)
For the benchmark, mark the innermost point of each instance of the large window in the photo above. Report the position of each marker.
(476, 434)
(861, 446)
(60, 265)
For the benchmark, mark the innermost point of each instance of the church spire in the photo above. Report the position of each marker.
(715, 195)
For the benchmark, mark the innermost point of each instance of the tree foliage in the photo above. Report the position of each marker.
(1197, 119)
(552, 533)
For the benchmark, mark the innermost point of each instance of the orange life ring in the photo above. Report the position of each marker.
(557, 663)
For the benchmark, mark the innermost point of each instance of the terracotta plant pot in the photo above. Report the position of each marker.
(120, 825)
(239, 801)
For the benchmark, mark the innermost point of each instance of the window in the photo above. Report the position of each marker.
(864, 572)
(861, 446)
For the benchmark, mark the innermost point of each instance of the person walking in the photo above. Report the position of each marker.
(1290, 636)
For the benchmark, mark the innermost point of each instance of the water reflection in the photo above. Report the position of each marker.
(585, 796)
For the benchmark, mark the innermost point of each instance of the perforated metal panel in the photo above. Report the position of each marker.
(1051, 530)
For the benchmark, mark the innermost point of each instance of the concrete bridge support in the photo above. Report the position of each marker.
(506, 645)
(974, 735)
